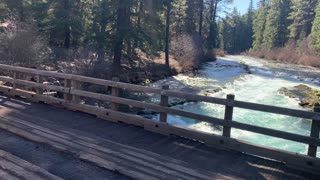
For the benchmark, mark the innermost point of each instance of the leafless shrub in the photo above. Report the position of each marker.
(292, 53)
(20, 44)
(219, 52)
(84, 61)
(187, 50)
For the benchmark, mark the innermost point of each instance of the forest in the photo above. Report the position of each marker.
(285, 30)
(153, 38)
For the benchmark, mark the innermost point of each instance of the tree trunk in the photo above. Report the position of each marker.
(101, 45)
(138, 23)
(213, 27)
(201, 18)
(121, 23)
(67, 33)
(168, 33)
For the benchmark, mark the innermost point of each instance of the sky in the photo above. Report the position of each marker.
(242, 5)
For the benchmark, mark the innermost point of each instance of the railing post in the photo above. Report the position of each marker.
(15, 76)
(40, 81)
(164, 102)
(67, 84)
(115, 92)
(75, 85)
(315, 130)
(228, 115)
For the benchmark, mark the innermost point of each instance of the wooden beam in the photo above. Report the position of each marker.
(315, 130)
(228, 115)
(15, 76)
(164, 101)
(188, 96)
(75, 85)
(67, 85)
(39, 81)
(115, 92)
(217, 121)
(34, 84)
(22, 169)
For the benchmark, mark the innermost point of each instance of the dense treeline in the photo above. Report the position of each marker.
(278, 29)
(113, 34)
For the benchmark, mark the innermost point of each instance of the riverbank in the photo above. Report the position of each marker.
(143, 71)
(287, 55)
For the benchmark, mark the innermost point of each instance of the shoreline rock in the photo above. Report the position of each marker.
(307, 96)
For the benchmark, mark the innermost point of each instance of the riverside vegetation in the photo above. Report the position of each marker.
(137, 40)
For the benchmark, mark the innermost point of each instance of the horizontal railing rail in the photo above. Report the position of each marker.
(71, 98)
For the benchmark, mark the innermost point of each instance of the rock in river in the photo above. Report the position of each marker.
(308, 97)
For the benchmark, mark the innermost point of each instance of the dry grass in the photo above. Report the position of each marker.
(219, 52)
(290, 54)
(174, 64)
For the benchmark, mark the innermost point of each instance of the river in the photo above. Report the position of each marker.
(251, 80)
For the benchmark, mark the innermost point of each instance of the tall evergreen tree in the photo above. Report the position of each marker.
(122, 29)
(259, 23)
(201, 12)
(249, 27)
(191, 16)
(277, 24)
(302, 15)
(315, 34)
(167, 41)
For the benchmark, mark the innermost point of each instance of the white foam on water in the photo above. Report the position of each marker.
(261, 87)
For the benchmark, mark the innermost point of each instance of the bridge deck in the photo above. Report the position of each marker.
(126, 149)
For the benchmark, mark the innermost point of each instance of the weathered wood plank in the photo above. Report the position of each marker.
(39, 81)
(75, 85)
(164, 101)
(34, 84)
(247, 127)
(115, 92)
(152, 165)
(67, 85)
(188, 96)
(315, 130)
(105, 114)
(228, 115)
(23, 169)
(277, 110)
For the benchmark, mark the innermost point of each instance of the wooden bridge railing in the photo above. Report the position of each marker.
(72, 92)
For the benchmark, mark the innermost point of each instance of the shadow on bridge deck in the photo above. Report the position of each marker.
(229, 164)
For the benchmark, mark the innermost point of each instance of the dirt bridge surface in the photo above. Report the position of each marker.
(39, 141)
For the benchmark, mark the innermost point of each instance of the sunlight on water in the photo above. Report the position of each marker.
(260, 85)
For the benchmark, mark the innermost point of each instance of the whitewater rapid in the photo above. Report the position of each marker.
(251, 80)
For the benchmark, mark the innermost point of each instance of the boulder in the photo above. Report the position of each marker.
(307, 96)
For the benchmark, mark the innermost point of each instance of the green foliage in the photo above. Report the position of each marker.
(259, 23)
(315, 34)
(276, 31)
(302, 15)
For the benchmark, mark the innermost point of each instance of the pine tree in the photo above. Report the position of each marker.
(201, 12)
(249, 27)
(233, 30)
(167, 41)
(191, 16)
(259, 24)
(302, 15)
(315, 34)
(121, 32)
(277, 24)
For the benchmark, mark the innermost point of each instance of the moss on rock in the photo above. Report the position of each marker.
(308, 97)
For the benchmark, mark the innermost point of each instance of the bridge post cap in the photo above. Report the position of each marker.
(165, 86)
(116, 79)
(230, 96)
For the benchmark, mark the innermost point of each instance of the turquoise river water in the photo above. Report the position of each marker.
(251, 80)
